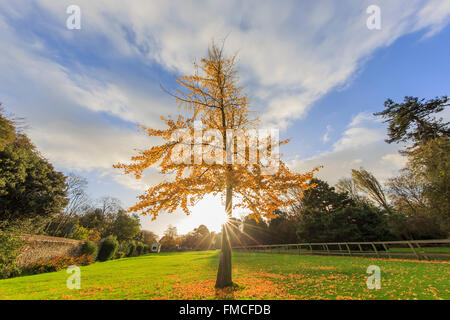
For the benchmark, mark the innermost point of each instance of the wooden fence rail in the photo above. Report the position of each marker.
(416, 249)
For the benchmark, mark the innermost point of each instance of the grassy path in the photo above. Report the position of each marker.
(191, 275)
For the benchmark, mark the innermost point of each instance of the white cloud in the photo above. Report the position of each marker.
(325, 137)
(355, 138)
(395, 159)
(358, 146)
(363, 118)
(435, 15)
(290, 55)
(363, 130)
(295, 52)
(62, 108)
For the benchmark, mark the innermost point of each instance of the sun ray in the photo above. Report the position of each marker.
(244, 233)
(205, 237)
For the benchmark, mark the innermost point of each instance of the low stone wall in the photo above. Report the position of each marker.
(44, 248)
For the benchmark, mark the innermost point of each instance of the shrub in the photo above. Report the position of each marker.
(131, 249)
(57, 263)
(89, 248)
(123, 250)
(10, 244)
(140, 249)
(108, 248)
(119, 255)
(79, 233)
(84, 260)
(94, 235)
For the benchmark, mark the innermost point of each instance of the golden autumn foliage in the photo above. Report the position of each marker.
(213, 97)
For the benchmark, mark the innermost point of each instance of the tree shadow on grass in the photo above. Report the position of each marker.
(211, 260)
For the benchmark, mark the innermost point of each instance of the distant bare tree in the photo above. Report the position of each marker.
(78, 200)
(149, 237)
(76, 192)
(109, 205)
(348, 185)
(171, 231)
(407, 192)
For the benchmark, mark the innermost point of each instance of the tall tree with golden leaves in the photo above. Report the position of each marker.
(212, 98)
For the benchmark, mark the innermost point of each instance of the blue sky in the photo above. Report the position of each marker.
(312, 69)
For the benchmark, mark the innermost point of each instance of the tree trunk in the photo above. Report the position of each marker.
(224, 278)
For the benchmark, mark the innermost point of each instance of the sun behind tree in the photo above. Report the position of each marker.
(218, 107)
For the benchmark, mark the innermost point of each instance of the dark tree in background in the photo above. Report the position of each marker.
(125, 226)
(329, 216)
(347, 224)
(254, 232)
(31, 187)
(323, 197)
(283, 229)
(414, 120)
(425, 207)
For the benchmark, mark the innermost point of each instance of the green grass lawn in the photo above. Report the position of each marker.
(191, 275)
